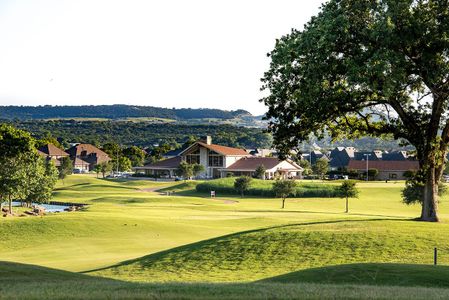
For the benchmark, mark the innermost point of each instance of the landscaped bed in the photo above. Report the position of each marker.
(263, 188)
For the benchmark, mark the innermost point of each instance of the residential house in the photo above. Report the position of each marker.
(89, 154)
(217, 161)
(315, 155)
(388, 169)
(53, 153)
(80, 166)
(340, 157)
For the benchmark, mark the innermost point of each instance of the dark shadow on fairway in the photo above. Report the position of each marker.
(370, 274)
(217, 239)
(104, 186)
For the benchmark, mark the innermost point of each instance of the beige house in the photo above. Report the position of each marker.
(53, 153)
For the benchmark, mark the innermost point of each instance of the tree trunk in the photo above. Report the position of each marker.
(429, 210)
(347, 205)
(10, 204)
(283, 203)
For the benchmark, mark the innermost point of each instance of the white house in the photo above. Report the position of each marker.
(219, 160)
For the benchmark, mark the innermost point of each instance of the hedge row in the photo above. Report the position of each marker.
(263, 188)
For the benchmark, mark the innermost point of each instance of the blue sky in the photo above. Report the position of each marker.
(170, 53)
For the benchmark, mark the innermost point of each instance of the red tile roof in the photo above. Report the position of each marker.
(251, 163)
(171, 163)
(52, 150)
(384, 165)
(223, 149)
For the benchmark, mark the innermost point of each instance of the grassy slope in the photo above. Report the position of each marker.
(263, 253)
(18, 281)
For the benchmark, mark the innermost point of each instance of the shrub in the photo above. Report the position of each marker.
(264, 188)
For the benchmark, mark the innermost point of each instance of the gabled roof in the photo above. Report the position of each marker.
(76, 150)
(384, 165)
(171, 163)
(251, 163)
(396, 155)
(223, 150)
(52, 150)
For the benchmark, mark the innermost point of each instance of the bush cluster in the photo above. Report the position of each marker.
(264, 188)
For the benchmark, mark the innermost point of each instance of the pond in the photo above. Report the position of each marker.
(51, 208)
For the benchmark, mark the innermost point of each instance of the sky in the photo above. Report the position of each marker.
(171, 53)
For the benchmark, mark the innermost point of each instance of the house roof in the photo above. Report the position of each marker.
(373, 155)
(52, 150)
(229, 151)
(171, 163)
(396, 155)
(251, 163)
(384, 165)
(76, 150)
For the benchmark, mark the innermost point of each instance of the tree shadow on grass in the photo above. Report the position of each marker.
(68, 187)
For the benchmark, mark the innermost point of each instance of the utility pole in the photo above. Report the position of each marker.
(367, 160)
(116, 157)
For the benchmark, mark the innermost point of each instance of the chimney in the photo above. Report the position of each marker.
(207, 139)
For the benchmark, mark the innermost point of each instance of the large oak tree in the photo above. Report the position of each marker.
(367, 67)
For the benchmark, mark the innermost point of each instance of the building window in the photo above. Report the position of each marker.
(194, 157)
(393, 176)
(215, 160)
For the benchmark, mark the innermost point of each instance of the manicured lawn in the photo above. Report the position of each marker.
(129, 232)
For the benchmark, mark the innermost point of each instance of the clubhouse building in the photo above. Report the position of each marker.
(218, 161)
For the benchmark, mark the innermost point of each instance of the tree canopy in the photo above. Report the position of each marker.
(284, 188)
(366, 67)
(24, 175)
(241, 184)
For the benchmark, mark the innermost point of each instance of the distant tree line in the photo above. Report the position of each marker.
(113, 112)
(142, 134)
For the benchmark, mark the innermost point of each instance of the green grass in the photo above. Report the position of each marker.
(180, 187)
(130, 232)
(264, 188)
(19, 281)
